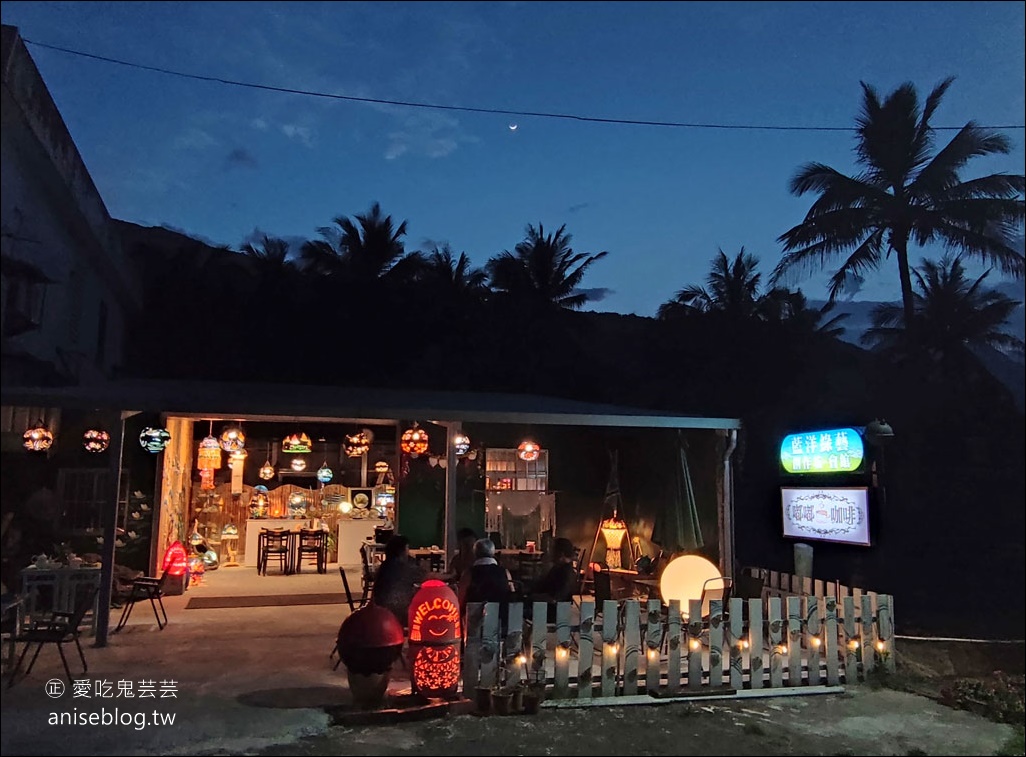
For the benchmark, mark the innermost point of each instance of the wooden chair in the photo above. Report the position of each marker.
(273, 544)
(60, 628)
(372, 556)
(146, 588)
(313, 544)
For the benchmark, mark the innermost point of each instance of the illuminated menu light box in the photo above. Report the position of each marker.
(838, 450)
(826, 514)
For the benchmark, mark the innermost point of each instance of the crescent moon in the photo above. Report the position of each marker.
(513, 127)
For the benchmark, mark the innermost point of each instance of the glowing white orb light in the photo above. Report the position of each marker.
(683, 579)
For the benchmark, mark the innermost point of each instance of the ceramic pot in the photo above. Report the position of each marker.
(368, 690)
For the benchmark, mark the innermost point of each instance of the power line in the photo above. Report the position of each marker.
(468, 108)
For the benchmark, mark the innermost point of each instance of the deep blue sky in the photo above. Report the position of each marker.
(221, 162)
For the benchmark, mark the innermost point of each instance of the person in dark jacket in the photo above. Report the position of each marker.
(560, 583)
(486, 580)
(397, 579)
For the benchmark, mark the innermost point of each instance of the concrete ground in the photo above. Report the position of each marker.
(258, 680)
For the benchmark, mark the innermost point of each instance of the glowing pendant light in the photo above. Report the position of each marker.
(414, 441)
(324, 473)
(614, 530)
(154, 439)
(296, 444)
(357, 444)
(529, 451)
(298, 464)
(38, 438)
(208, 457)
(461, 443)
(233, 438)
(95, 440)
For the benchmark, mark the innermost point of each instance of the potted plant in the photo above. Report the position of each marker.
(533, 694)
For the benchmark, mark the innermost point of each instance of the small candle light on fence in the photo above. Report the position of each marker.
(781, 649)
(880, 646)
(653, 654)
(853, 644)
(612, 648)
(562, 652)
(816, 642)
(695, 644)
(742, 644)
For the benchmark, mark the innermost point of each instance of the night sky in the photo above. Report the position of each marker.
(225, 163)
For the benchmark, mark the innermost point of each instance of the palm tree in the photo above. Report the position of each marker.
(953, 312)
(271, 258)
(543, 269)
(365, 251)
(733, 289)
(905, 193)
(451, 277)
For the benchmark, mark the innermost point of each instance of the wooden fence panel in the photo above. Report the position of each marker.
(851, 646)
(885, 630)
(490, 645)
(716, 643)
(631, 646)
(585, 649)
(813, 637)
(737, 642)
(756, 639)
(776, 643)
(794, 641)
(561, 673)
(831, 642)
(472, 652)
(654, 634)
(610, 647)
(696, 655)
(513, 646)
(673, 653)
(868, 652)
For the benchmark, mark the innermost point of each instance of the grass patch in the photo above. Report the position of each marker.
(1015, 746)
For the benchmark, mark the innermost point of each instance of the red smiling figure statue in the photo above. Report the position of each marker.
(434, 623)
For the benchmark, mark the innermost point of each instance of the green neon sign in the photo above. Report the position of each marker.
(838, 450)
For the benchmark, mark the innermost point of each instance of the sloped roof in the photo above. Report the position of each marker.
(256, 401)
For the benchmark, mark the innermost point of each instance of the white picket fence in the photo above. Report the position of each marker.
(641, 647)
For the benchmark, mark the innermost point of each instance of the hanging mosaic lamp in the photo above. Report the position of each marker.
(614, 530)
(206, 478)
(266, 471)
(209, 455)
(529, 451)
(233, 438)
(95, 440)
(324, 474)
(38, 438)
(298, 464)
(296, 444)
(381, 466)
(414, 441)
(357, 444)
(461, 443)
(154, 439)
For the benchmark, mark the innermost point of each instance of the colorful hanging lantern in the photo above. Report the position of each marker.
(154, 439)
(233, 439)
(357, 444)
(296, 444)
(95, 440)
(297, 505)
(298, 464)
(461, 443)
(614, 530)
(259, 505)
(414, 441)
(529, 451)
(208, 456)
(434, 622)
(206, 478)
(381, 466)
(38, 438)
(324, 473)
(266, 471)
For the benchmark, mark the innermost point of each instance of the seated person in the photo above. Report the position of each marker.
(397, 577)
(560, 583)
(485, 580)
(464, 557)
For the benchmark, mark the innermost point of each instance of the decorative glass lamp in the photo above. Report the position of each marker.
(298, 464)
(154, 439)
(461, 443)
(381, 466)
(233, 439)
(414, 441)
(614, 531)
(209, 455)
(529, 451)
(296, 444)
(684, 578)
(266, 471)
(38, 438)
(324, 473)
(95, 440)
(357, 444)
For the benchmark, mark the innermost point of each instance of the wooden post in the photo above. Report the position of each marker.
(868, 652)
(110, 518)
(794, 641)
(830, 641)
(514, 643)
(539, 639)
(696, 655)
(610, 648)
(737, 642)
(451, 461)
(814, 640)
(673, 648)
(885, 629)
(776, 639)
(653, 644)
(561, 680)
(851, 647)
(472, 653)
(756, 635)
(490, 645)
(716, 643)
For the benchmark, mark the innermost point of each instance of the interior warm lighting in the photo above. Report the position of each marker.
(529, 450)
(38, 438)
(345, 507)
(614, 530)
(298, 464)
(461, 444)
(414, 441)
(95, 440)
(683, 579)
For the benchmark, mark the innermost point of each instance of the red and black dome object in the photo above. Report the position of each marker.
(370, 640)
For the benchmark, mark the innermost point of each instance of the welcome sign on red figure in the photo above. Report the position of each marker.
(176, 560)
(434, 622)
